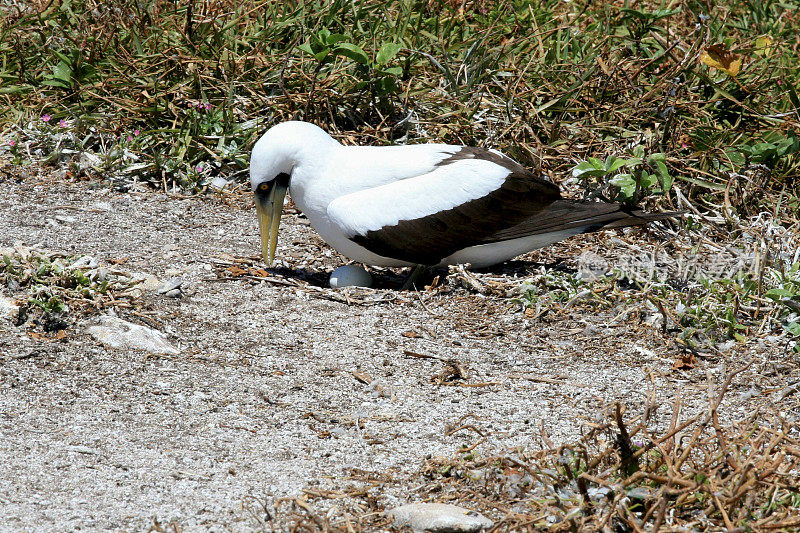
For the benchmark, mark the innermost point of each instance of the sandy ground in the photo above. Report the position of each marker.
(269, 392)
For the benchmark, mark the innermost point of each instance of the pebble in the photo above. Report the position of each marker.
(146, 282)
(88, 160)
(8, 309)
(171, 288)
(439, 518)
(86, 261)
(117, 333)
(65, 219)
(218, 183)
(350, 276)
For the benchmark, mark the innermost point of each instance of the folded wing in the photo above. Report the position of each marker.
(470, 196)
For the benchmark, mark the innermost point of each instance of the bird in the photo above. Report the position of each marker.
(423, 205)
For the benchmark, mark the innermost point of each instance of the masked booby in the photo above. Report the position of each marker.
(427, 204)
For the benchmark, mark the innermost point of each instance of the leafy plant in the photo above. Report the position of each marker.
(645, 176)
(55, 288)
(325, 46)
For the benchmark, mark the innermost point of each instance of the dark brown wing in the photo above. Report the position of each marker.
(523, 205)
(428, 240)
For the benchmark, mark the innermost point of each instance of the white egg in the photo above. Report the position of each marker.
(350, 276)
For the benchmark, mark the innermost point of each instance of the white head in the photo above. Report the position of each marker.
(276, 155)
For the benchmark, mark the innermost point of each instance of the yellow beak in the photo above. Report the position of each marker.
(269, 204)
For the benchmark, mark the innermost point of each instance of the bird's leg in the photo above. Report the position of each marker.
(415, 277)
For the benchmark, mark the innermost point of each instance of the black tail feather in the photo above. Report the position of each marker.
(589, 216)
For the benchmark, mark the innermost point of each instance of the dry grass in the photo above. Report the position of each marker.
(696, 474)
(551, 83)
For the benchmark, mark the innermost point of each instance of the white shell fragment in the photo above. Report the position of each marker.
(117, 333)
(439, 518)
(350, 276)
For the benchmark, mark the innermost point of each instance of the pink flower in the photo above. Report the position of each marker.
(199, 105)
(46, 118)
(129, 138)
(779, 82)
(136, 132)
(199, 167)
(62, 123)
(12, 142)
(208, 106)
(684, 145)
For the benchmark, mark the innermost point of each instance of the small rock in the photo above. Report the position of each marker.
(118, 333)
(170, 285)
(218, 183)
(85, 261)
(174, 293)
(149, 283)
(350, 276)
(83, 449)
(88, 160)
(65, 219)
(8, 309)
(439, 518)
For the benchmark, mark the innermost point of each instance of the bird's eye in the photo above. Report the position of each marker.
(264, 187)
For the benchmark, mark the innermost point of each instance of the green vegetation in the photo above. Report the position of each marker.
(52, 290)
(705, 299)
(176, 92)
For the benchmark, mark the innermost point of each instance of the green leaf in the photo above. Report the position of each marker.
(703, 183)
(64, 58)
(62, 72)
(353, 52)
(655, 15)
(648, 180)
(613, 164)
(596, 163)
(793, 328)
(334, 38)
(626, 184)
(392, 71)
(666, 183)
(593, 167)
(386, 86)
(778, 294)
(657, 156)
(15, 89)
(56, 83)
(387, 52)
(622, 180)
(664, 179)
(306, 47)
